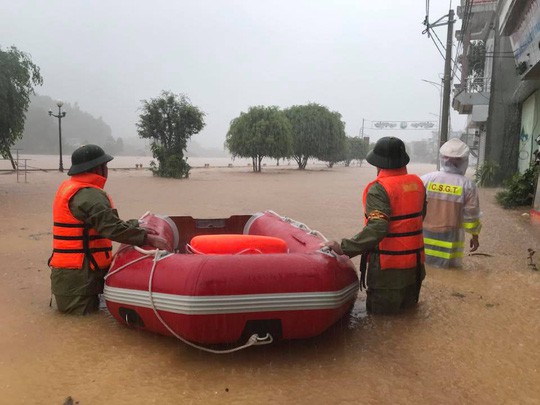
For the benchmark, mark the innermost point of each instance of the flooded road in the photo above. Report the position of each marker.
(472, 339)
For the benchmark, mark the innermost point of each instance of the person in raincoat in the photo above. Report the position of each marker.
(391, 242)
(453, 208)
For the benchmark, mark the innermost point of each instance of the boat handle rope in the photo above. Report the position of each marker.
(254, 340)
(300, 225)
(145, 253)
(325, 250)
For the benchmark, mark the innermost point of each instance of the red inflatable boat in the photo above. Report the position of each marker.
(271, 281)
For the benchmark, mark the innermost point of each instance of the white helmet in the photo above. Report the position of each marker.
(454, 148)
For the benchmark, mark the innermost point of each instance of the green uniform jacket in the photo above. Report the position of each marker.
(375, 231)
(92, 206)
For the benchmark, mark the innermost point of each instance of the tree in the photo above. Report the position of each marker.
(335, 142)
(356, 149)
(317, 133)
(169, 120)
(18, 75)
(262, 131)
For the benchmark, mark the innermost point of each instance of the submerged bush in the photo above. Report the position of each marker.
(169, 164)
(485, 174)
(519, 190)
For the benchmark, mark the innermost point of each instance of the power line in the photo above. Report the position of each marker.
(437, 46)
(430, 33)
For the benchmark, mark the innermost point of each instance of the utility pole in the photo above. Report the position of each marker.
(447, 80)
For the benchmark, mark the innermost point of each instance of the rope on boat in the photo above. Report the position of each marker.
(324, 250)
(254, 340)
(300, 225)
(125, 265)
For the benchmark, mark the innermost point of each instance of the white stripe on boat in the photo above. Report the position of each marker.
(230, 304)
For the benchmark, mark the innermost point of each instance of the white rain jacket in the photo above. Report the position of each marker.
(453, 208)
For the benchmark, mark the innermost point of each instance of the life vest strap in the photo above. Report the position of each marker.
(88, 252)
(93, 250)
(67, 225)
(363, 270)
(91, 237)
(402, 252)
(400, 234)
(406, 216)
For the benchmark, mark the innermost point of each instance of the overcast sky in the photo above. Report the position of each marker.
(364, 59)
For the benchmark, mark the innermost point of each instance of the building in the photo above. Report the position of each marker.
(500, 80)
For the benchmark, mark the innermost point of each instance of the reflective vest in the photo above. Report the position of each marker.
(73, 240)
(403, 245)
(453, 209)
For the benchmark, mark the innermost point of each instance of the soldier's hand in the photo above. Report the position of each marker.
(332, 244)
(474, 244)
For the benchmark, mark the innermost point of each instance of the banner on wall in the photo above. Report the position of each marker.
(526, 37)
(530, 129)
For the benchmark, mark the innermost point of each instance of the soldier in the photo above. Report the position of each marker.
(84, 224)
(391, 241)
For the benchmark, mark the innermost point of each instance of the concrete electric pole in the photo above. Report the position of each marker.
(447, 80)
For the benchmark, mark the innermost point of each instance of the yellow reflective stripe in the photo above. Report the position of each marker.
(443, 255)
(471, 225)
(444, 244)
(444, 188)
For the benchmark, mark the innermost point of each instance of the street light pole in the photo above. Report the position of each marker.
(61, 114)
(439, 87)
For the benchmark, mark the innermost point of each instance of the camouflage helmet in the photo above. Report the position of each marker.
(388, 153)
(87, 157)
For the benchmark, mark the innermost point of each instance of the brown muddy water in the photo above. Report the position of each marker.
(472, 339)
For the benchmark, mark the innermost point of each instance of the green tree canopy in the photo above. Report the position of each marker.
(18, 75)
(262, 131)
(170, 120)
(317, 133)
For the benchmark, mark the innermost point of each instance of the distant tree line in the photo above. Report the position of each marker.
(301, 132)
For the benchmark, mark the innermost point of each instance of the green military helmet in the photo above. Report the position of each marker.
(87, 157)
(388, 153)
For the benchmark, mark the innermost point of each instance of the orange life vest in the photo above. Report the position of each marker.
(73, 240)
(403, 246)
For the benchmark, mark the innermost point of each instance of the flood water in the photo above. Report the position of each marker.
(472, 339)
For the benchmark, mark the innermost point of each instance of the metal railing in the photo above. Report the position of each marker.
(478, 84)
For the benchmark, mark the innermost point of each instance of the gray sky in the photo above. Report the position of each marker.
(364, 59)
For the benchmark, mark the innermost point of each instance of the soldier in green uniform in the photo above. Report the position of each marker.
(391, 242)
(85, 223)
